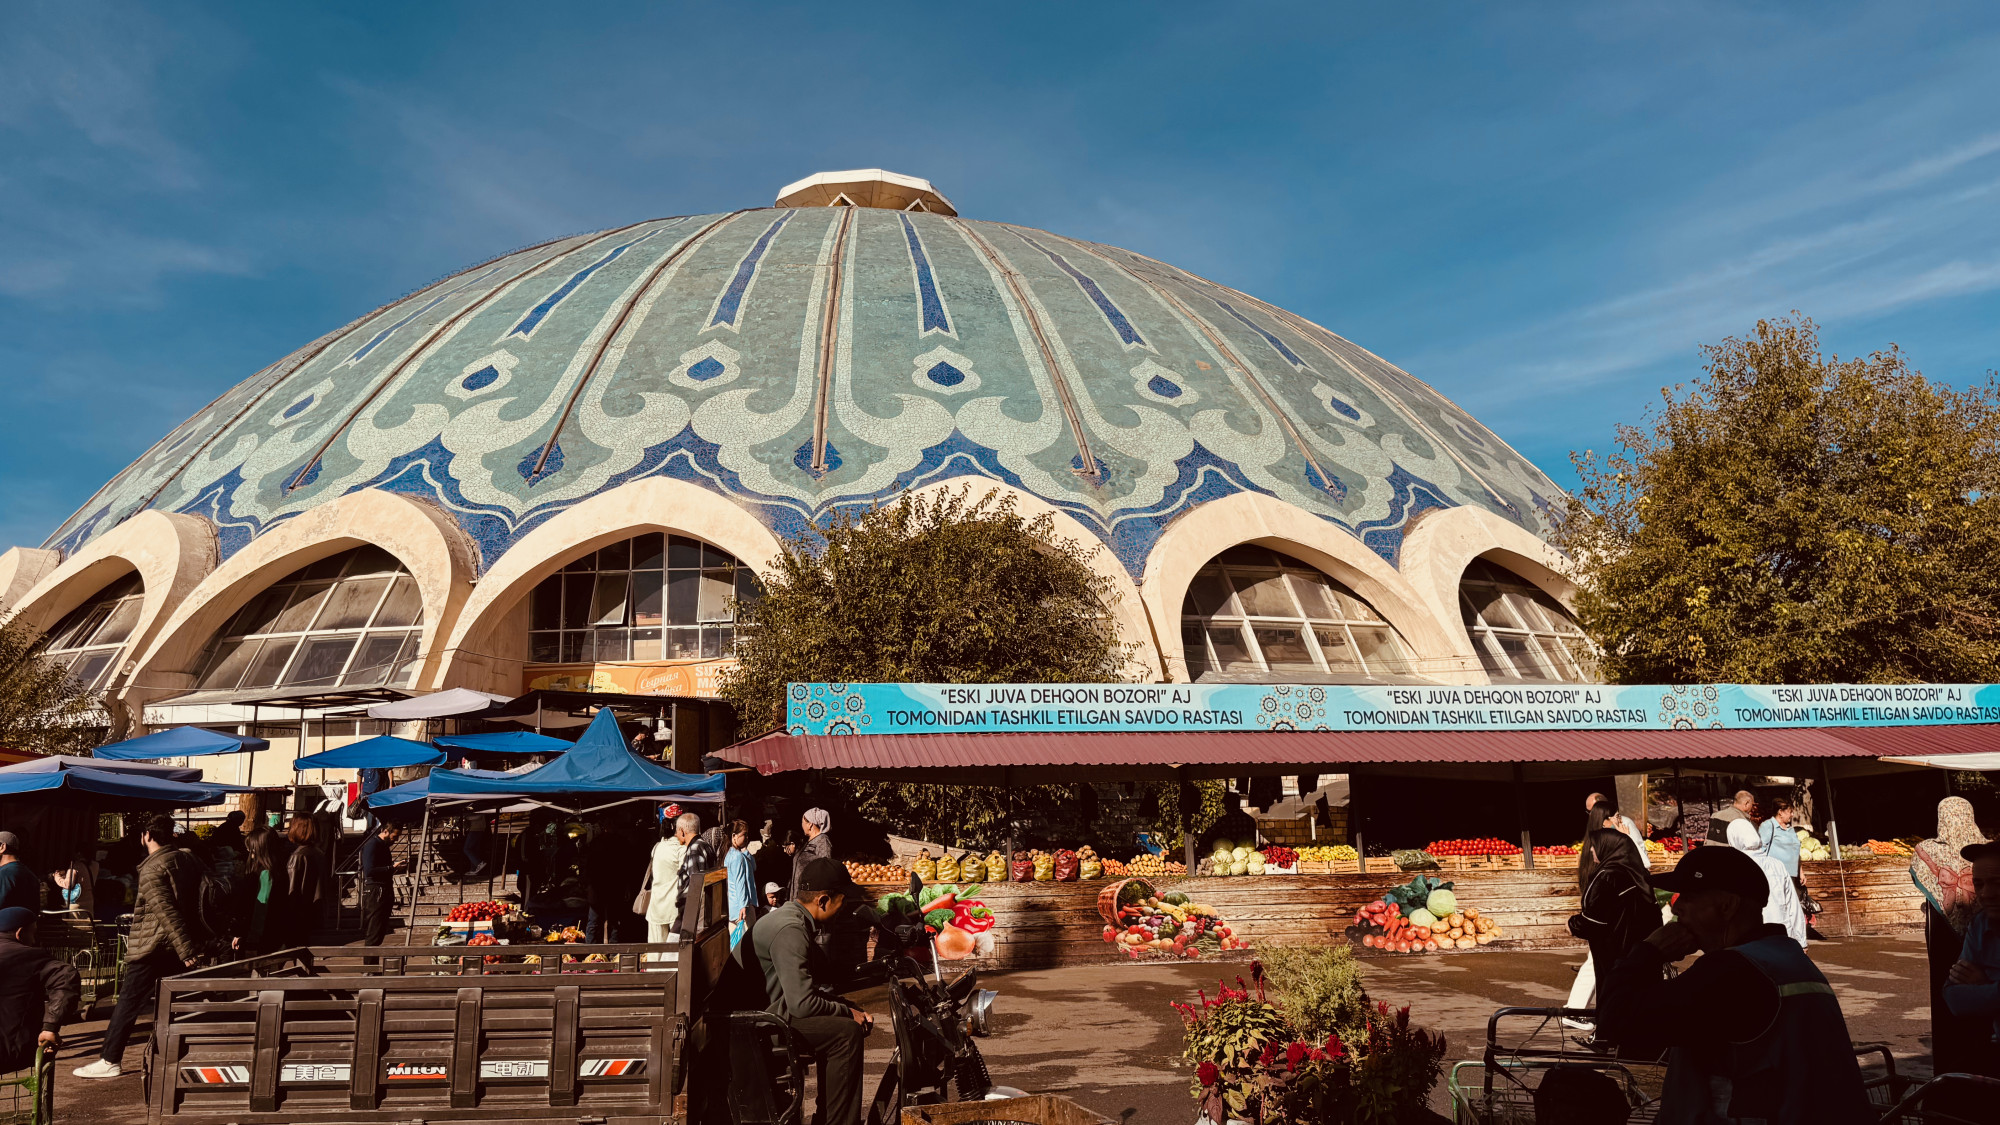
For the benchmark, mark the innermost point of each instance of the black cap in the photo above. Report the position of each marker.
(826, 876)
(1717, 867)
(1973, 853)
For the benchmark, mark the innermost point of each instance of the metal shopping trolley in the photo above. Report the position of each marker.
(1498, 1088)
(28, 1097)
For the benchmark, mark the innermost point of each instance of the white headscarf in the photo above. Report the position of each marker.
(1781, 905)
(819, 818)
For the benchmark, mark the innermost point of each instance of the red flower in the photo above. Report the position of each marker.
(1208, 1074)
(1295, 1054)
(1335, 1049)
(1269, 1056)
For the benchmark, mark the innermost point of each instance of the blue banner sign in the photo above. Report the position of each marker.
(956, 708)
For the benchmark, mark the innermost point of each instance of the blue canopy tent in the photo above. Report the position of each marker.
(401, 801)
(56, 763)
(383, 752)
(84, 788)
(180, 742)
(598, 772)
(504, 742)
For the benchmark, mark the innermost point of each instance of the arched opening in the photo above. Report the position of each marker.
(651, 597)
(1252, 611)
(353, 619)
(89, 639)
(1519, 631)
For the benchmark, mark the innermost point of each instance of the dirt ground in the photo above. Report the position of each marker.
(1104, 1035)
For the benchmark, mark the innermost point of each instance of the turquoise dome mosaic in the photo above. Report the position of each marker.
(805, 360)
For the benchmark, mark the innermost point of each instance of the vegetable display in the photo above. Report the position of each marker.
(1336, 853)
(1144, 921)
(479, 911)
(1421, 916)
(959, 921)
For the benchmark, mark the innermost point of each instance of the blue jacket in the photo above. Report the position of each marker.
(1982, 948)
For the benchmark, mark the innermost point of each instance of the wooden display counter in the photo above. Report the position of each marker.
(1046, 924)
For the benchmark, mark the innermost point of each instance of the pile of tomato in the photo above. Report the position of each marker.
(1382, 925)
(478, 911)
(1554, 849)
(1490, 845)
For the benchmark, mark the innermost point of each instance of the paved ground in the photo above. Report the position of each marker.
(1105, 1036)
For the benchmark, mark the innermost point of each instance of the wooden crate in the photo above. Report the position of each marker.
(1037, 1109)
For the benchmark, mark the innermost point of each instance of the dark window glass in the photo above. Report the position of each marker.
(302, 608)
(1210, 594)
(611, 644)
(376, 659)
(325, 568)
(545, 606)
(352, 603)
(403, 606)
(1338, 650)
(225, 667)
(257, 614)
(716, 588)
(321, 660)
(118, 623)
(683, 552)
(748, 589)
(572, 646)
(1263, 595)
(407, 662)
(648, 598)
(683, 644)
(1196, 650)
(582, 565)
(372, 560)
(576, 600)
(270, 662)
(713, 642)
(544, 647)
(89, 672)
(615, 556)
(1231, 654)
(649, 551)
(1284, 646)
(683, 590)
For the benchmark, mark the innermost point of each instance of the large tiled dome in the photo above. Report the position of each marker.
(799, 359)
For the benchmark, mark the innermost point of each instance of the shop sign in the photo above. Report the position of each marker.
(699, 678)
(954, 708)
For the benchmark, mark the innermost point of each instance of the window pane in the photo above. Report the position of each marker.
(1555, 656)
(376, 659)
(748, 589)
(716, 588)
(407, 662)
(607, 604)
(1356, 609)
(258, 613)
(1231, 653)
(403, 606)
(1338, 650)
(1196, 649)
(1488, 604)
(321, 660)
(90, 670)
(576, 600)
(118, 625)
(270, 663)
(1379, 650)
(372, 560)
(1314, 597)
(648, 551)
(1558, 617)
(615, 556)
(76, 633)
(545, 604)
(1210, 594)
(544, 647)
(1262, 595)
(712, 641)
(573, 643)
(1284, 647)
(225, 667)
(1490, 659)
(683, 590)
(299, 612)
(325, 568)
(713, 556)
(1525, 611)
(583, 565)
(352, 603)
(683, 552)
(645, 644)
(648, 597)
(1522, 653)
(610, 644)
(683, 644)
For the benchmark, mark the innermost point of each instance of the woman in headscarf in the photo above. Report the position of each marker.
(1616, 909)
(1957, 1042)
(1781, 906)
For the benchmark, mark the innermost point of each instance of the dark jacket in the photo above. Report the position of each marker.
(168, 913)
(819, 847)
(794, 965)
(696, 862)
(36, 994)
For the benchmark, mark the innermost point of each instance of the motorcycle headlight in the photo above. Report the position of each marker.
(981, 1008)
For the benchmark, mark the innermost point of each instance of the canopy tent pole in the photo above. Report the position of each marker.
(416, 877)
(1521, 820)
(1680, 810)
(506, 851)
(1833, 835)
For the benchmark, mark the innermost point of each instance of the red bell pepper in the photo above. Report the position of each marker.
(972, 917)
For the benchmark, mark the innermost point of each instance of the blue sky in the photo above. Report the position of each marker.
(1541, 209)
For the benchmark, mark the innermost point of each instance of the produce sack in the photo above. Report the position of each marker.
(926, 868)
(1090, 869)
(1066, 866)
(1023, 868)
(947, 869)
(996, 868)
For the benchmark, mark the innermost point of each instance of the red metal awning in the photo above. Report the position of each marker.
(995, 758)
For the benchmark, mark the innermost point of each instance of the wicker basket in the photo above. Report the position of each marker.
(1107, 899)
(1037, 1109)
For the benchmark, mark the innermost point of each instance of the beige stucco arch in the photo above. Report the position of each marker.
(171, 552)
(1445, 540)
(422, 537)
(20, 569)
(1442, 649)
(1127, 608)
(487, 645)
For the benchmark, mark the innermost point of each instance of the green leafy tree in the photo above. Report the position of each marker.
(1795, 517)
(42, 710)
(944, 590)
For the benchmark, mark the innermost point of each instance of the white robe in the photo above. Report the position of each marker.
(1782, 906)
(664, 909)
